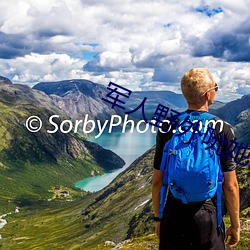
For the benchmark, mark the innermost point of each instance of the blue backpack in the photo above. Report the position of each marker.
(190, 171)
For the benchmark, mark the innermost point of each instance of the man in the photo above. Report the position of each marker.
(194, 225)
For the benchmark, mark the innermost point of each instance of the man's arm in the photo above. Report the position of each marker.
(232, 200)
(156, 187)
(157, 178)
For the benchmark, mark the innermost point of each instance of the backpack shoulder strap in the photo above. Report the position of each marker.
(208, 116)
(205, 115)
(183, 115)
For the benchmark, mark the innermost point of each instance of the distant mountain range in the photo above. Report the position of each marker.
(154, 98)
(80, 97)
(231, 111)
(168, 99)
(242, 129)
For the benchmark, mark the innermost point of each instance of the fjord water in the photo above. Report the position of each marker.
(128, 146)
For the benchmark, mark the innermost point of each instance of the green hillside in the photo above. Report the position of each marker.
(85, 222)
(31, 164)
(123, 210)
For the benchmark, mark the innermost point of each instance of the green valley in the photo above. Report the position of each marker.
(120, 213)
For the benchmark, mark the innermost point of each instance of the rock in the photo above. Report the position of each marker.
(2, 223)
(245, 226)
(109, 243)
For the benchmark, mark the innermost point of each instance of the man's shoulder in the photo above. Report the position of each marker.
(218, 124)
(221, 125)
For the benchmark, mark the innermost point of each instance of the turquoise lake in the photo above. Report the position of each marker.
(129, 146)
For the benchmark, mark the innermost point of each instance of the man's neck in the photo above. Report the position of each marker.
(198, 107)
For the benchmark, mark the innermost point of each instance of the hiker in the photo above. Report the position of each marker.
(188, 224)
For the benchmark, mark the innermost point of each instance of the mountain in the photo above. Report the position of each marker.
(216, 105)
(4, 80)
(242, 129)
(115, 213)
(123, 210)
(79, 97)
(166, 98)
(32, 163)
(232, 110)
(237, 114)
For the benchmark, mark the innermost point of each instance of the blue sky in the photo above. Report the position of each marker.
(143, 44)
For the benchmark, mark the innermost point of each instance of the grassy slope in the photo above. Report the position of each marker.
(30, 185)
(61, 225)
(28, 168)
(57, 226)
(106, 215)
(48, 226)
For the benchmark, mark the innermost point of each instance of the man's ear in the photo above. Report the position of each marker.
(207, 95)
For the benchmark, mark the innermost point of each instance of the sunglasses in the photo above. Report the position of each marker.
(216, 87)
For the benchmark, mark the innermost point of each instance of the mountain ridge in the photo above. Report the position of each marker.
(72, 95)
(79, 97)
(4, 80)
(230, 111)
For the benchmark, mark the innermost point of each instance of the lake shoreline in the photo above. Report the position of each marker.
(129, 146)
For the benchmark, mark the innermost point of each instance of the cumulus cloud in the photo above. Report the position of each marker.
(231, 45)
(34, 68)
(144, 44)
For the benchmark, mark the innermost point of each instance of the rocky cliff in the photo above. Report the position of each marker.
(79, 97)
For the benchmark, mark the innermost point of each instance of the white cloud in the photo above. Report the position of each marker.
(33, 16)
(16, 18)
(34, 68)
(141, 44)
(114, 60)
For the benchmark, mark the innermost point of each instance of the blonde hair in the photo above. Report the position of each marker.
(195, 83)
